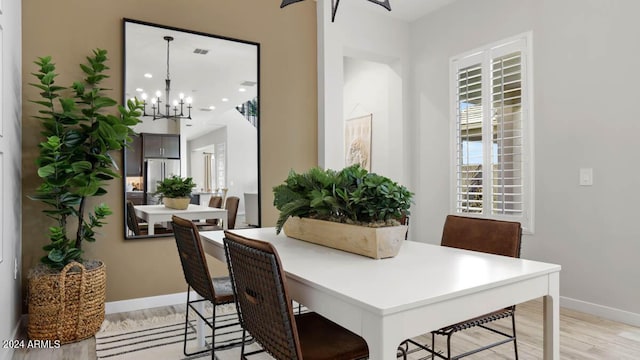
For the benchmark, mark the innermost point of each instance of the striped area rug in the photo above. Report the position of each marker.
(162, 338)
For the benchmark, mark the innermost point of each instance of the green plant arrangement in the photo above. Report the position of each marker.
(351, 195)
(175, 187)
(81, 128)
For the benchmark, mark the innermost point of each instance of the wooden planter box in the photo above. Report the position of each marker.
(377, 243)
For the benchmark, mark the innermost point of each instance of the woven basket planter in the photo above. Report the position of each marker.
(69, 305)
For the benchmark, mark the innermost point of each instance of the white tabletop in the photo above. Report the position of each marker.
(423, 280)
(160, 213)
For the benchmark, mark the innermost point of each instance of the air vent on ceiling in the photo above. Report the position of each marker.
(204, 109)
(248, 83)
(200, 51)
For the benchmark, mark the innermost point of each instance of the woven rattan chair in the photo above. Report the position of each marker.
(218, 291)
(265, 309)
(488, 236)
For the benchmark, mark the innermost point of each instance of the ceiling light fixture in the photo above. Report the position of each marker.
(168, 109)
(334, 5)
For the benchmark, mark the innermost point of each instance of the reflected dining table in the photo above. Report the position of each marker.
(423, 288)
(154, 214)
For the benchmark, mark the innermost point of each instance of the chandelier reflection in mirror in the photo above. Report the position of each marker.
(334, 5)
(173, 111)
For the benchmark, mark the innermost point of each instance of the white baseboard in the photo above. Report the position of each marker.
(146, 302)
(606, 312)
(8, 354)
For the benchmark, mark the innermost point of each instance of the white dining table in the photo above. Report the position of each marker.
(154, 214)
(423, 288)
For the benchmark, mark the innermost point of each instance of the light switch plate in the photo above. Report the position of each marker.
(586, 176)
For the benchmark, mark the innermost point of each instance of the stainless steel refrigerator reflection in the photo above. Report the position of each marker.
(157, 170)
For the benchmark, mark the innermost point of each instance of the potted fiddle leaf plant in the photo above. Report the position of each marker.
(82, 128)
(175, 191)
(350, 209)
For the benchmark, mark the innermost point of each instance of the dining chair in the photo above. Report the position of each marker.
(214, 202)
(266, 313)
(217, 291)
(488, 236)
(211, 224)
(231, 205)
(404, 220)
(134, 225)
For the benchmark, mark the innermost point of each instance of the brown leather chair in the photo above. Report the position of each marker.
(488, 236)
(215, 202)
(138, 229)
(210, 224)
(231, 205)
(265, 310)
(217, 291)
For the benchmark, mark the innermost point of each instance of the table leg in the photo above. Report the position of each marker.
(381, 337)
(552, 319)
(200, 323)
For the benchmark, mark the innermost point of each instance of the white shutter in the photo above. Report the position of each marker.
(507, 134)
(469, 172)
(493, 132)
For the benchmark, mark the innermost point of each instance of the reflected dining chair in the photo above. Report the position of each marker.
(211, 224)
(231, 205)
(266, 313)
(488, 236)
(217, 291)
(138, 229)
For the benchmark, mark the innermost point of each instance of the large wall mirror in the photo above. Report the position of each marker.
(209, 131)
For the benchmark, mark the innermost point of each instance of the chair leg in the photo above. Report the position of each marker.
(244, 333)
(515, 342)
(433, 346)
(186, 323)
(403, 348)
(213, 334)
(186, 328)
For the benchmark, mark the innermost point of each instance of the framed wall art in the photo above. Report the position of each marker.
(357, 141)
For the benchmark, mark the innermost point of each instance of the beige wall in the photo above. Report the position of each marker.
(70, 29)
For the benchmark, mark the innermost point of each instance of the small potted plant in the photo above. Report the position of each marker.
(175, 191)
(350, 209)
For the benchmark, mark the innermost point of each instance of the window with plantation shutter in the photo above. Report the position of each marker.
(492, 156)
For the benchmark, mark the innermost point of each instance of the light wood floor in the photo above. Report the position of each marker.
(582, 337)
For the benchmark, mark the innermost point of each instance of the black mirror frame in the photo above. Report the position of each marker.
(124, 155)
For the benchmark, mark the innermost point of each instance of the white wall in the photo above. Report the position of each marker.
(195, 157)
(365, 39)
(10, 164)
(371, 88)
(242, 158)
(585, 56)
